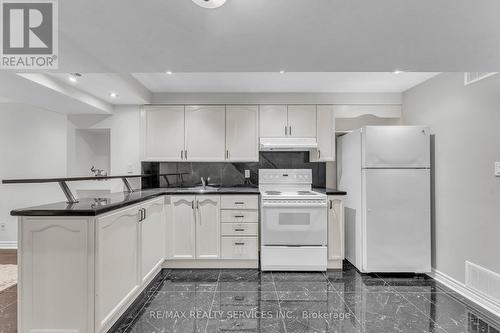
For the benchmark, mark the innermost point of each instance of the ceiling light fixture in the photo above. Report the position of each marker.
(282, 72)
(209, 3)
(73, 77)
(113, 94)
(169, 72)
(398, 71)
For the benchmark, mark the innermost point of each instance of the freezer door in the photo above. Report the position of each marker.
(396, 147)
(396, 223)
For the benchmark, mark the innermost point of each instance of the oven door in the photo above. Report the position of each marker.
(294, 224)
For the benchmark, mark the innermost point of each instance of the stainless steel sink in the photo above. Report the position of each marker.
(199, 189)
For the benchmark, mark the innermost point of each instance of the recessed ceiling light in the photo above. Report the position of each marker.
(398, 71)
(282, 72)
(73, 77)
(209, 3)
(169, 72)
(113, 94)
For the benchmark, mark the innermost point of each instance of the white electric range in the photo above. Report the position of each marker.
(293, 221)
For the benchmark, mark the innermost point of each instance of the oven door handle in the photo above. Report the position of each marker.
(294, 205)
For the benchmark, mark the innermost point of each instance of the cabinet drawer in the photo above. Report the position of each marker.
(239, 201)
(239, 247)
(239, 216)
(240, 229)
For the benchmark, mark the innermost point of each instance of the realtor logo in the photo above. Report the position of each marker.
(29, 34)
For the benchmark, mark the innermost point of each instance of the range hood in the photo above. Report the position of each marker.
(288, 144)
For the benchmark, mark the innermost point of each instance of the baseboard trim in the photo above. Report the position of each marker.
(8, 245)
(210, 263)
(474, 296)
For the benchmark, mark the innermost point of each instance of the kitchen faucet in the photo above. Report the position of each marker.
(204, 182)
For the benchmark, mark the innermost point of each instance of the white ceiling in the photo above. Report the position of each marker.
(101, 85)
(276, 82)
(130, 36)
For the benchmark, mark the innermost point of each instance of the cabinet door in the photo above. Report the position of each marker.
(163, 131)
(205, 133)
(56, 282)
(335, 228)
(117, 257)
(182, 227)
(207, 227)
(242, 133)
(273, 121)
(325, 127)
(302, 121)
(152, 238)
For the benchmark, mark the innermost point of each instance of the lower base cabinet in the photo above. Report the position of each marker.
(335, 231)
(244, 248)
(221, 229)
(79, 274)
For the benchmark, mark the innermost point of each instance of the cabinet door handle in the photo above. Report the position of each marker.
(239, 216)
(239, 298)
(140, 215)
(319, 154)
(289, 130)
(286, 130)
(239, 229)
(239, 243)
(145, 213)
(192, 205)
(197, 204)
(185, 154)
(239, 203)
(182, 154)
(331, 204)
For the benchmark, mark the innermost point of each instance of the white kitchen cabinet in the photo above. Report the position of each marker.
(336, 228)
(194, 227)
(242, 133)
(325, 125)
(117, 264)
(181, 231)
(56, 274)
(207, 227)
(163, 133)
(273, 121)
(205, 133)
(152, 238)
(302, 121)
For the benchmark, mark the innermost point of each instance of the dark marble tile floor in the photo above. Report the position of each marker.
(335, 301)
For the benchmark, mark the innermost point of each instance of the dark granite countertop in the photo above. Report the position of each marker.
(330, 191)
(113, 201)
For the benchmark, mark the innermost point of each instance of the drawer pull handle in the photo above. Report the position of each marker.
(239, 203)
(239, 243)
(239, 216)
(239, 229)
(239, 298)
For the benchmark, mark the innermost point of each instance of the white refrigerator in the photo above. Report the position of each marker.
(386, 173)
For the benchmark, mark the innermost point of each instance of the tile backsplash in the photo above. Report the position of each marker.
(174, 174)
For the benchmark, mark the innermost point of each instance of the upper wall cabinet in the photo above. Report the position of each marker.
(325, 126)
(205, 133)
(291, 120)
(302, 121)
(163, 133)
(242, 133)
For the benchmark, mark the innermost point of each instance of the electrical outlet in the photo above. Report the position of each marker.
(3, 227)
(497, 169)
(247, 173)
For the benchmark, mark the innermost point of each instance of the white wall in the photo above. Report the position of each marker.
(32, 144)
(125, 140)
(466, 124)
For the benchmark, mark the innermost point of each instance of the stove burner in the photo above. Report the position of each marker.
(273, 192)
